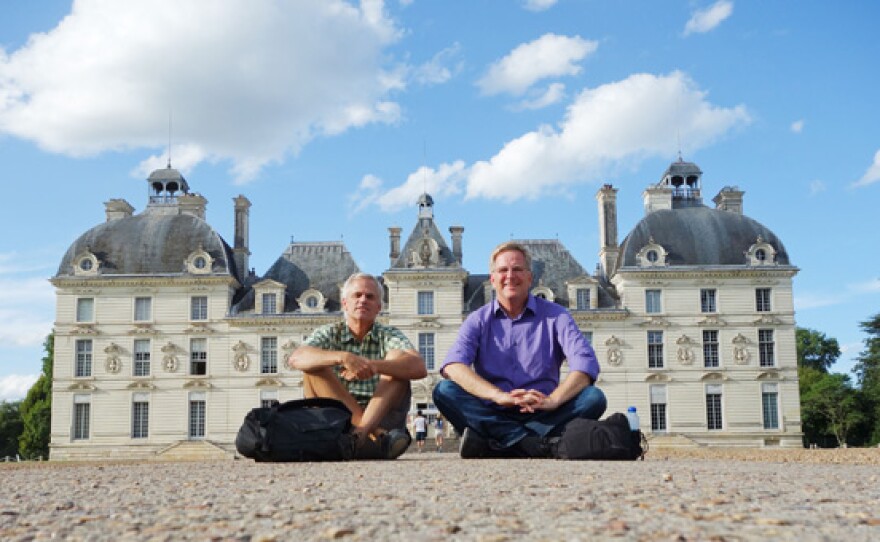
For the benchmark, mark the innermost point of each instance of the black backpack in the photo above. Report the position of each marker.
(608, 439)
(316, 429)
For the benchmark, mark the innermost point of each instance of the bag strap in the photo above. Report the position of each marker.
(309, 402)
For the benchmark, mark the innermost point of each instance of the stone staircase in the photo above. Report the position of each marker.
(194, 450)
(671, 441)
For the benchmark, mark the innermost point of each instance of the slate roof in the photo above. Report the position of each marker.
(696, 235)
(425, 227)
(323, 266)
(150, 244)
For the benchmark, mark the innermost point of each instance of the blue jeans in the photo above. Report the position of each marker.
(503, 426)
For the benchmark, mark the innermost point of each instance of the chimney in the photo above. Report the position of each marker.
(240, 248)
(657, 198)
(192, 204)
(117, 208)
(608, 249)
(456, 232)
(730, 199)
(394, 236)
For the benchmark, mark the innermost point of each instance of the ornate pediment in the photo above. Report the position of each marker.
(196, 384)
(655, 321)
(143, 329)
(770, 375)
(82, 385)
(768, 320)
(199, 328)
(269, 382)
(84, 329)
(714, 375)
(428, 323)
(712, 320)
(141, 385)
(658, 377)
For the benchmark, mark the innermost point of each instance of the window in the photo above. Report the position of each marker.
(85, 309)
(658, 408)
(588, 335)
(311, 302)
(707, 300)
(426, 349)
(583, 299)
(714, 420)
(82, 406)
(140, 416)
(269, 355)
(762, 299)
(710, 348)
(765, 347)
(652, 256)
(269, 305)
(770, 405)
(142, 309)
(426, 303)
(83, 358)
(198, 307)
(268, 398)
(652, 301)
(197, 415)
(198, 356)
(142, 357)
(655, 349)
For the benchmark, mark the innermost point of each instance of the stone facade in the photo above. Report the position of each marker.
(163, 337)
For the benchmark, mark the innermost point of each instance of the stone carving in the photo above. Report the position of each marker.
(113, 364)
(241, 360)
(169, 357)
(685, 353)
(741, 353)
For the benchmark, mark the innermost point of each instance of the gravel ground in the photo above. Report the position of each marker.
(674, 495)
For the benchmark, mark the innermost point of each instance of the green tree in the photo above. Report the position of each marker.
(10, 428)
(816, 350)
(831, 399)
(36, 409)
(867, 370)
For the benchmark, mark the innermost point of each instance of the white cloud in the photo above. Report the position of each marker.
(551, 95)
(550, 55)
(441, 68)
(612, 126)
(539, 5)
(872, 175)
(868, 287)
(15, 387)
(704, 20)
(816, 187)
(797, 126)
(446, 180)
(816, 301)
(247, 82)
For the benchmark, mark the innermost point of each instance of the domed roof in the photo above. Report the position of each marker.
(150, 244)
(425, 199)
(698, 235)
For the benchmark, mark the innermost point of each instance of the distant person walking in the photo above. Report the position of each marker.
(420, 426)
(438, 432)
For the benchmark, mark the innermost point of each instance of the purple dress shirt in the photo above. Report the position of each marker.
(525, 352)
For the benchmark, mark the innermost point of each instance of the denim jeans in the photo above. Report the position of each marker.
(503, 426)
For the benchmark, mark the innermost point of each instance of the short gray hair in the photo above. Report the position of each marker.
(510, 245)
(346, 286)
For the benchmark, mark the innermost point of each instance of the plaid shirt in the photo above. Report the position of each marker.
(376, 345)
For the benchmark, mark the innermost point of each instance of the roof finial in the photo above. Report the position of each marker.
(169, 138)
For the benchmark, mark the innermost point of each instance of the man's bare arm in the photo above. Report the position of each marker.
(401, 364)
(568, 388)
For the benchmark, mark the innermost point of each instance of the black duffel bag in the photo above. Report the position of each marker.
(608, 439)
(316, 429)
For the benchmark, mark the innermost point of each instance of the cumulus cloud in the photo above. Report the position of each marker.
(15, 387)
(446, 180)
(816, 187)
(441, 68)
(248, 82)
(797, 126)
(872, 175)
(605, 128)
(550, 55)
(554, 93)
(539, 5)
(704, 20)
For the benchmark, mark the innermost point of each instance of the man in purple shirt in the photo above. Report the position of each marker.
(502, 391)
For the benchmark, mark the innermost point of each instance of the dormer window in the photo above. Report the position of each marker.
(269, 297)
(652, 255)
(761, 253)
(583, 293)
(311, 301)
(86, 264)
(199, 262)
(544, 293)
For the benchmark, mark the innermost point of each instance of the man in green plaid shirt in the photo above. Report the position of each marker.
(367, 366)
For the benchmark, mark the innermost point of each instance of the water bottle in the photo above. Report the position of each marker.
(633, 418)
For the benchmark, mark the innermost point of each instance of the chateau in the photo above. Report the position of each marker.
(164, 338)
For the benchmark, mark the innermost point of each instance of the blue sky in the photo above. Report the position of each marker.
(331, 117)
